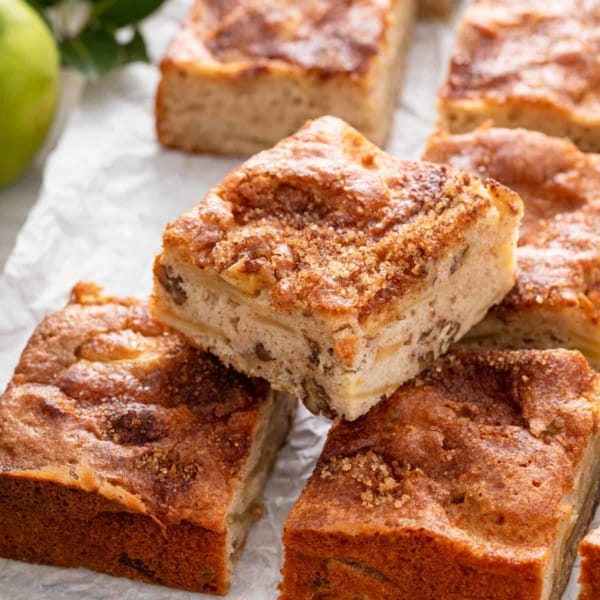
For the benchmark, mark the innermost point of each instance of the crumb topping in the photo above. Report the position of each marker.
(482, 447)
(326, 222)
(373, 474)
(326, 36)
(541, 51)
(101, 381)
(559, 246)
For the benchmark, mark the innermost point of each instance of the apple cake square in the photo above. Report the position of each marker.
(527, 64)
(127, 451)
(475, 480)
(334, 270)
(242, 74)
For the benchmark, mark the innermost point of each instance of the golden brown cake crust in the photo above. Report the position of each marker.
(328, 223)
(106, 398)
(480, 449)
(453, 487)
(589, 577)
(541, 53)
(248, 37)
(559, 245)
(49, 523)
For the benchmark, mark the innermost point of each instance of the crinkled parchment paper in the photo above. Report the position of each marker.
(108, 191)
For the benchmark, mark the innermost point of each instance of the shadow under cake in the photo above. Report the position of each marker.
(527, 64)
(242, 74)
(475, 481)
(556, 299)
(126, 451)
(334, 270)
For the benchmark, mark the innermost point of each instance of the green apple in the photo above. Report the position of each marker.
(29, 70)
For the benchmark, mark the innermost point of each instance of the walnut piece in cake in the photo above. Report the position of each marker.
(527, 64)
(125, 450)
(242, 74)
(476, 480)
(556, 299)
(334, 270)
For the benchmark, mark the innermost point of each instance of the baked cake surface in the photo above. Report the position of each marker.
(589, 577)
(125, 450)
(242, 74)
(334, 270)
(556, 299)
(527, 64)
(474, 481)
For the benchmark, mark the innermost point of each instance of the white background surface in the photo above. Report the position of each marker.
(108, 191)
(15, 202)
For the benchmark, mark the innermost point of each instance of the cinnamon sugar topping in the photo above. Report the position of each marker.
(326, 222)
(542, 51)
(146, 411)
(326, 36)
(484, 448)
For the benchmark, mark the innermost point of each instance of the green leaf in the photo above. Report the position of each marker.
(134, 50)
(94, 52)
(124, 12)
